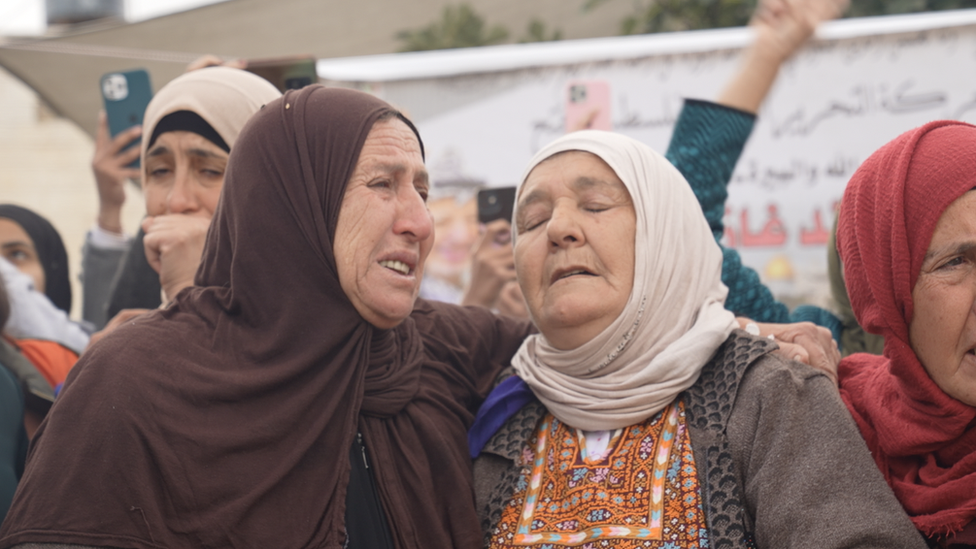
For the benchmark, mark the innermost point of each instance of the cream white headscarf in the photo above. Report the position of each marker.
(674, 320)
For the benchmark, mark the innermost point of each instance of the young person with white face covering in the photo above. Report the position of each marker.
(639, 416)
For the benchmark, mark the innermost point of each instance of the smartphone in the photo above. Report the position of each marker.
(496, 204)
(588, 105)
(286, 73)
(126, 95)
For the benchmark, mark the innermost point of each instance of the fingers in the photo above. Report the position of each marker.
(803, 342)
(124, 316)
(123, 160)
(211, 60)
(101, 129)
(110, 165)
(770, 10)
(498, 231)
(119, 319)
(586, 122)
(152, 243)
(107, 146)
(168, 232)
(176, 233)
(819, 340)
(494, 250)
(801, 353)
(498, 256)
(155, 241)
(174, 245)
(122, 140)
(822, 357)
(815, 12)
(208, 60)
(128, 156)
(492, 266)
(236, 64)
(825, 10)
(793, 351)
(189, 223)
(488, 277)
(783, 26)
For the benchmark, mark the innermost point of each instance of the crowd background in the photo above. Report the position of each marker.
(170, 123)
(46, 157)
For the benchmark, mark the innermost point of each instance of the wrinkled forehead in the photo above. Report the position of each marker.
(608, 147)
(565, 150)
(580, 170)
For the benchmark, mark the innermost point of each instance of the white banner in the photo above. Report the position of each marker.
(834, 103)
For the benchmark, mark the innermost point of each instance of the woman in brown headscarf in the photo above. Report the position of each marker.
(227, 418)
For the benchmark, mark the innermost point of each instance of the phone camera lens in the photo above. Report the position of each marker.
(577, 94)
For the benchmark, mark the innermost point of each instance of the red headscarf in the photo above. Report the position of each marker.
(923, 440)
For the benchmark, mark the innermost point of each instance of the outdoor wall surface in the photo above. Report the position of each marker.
(861, 84)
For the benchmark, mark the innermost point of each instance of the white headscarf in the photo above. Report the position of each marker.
(674, 320)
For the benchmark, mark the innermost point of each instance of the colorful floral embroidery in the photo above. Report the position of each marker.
(643, 494)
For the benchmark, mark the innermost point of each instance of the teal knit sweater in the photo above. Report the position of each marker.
(705, 146)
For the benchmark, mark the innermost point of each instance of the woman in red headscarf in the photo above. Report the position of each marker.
(907, 238)
(244, 413)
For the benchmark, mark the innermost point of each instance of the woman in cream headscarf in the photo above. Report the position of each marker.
(638, 417)
(190, 126)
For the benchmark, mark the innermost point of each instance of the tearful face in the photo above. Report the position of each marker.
(184, 173)
(385, 231)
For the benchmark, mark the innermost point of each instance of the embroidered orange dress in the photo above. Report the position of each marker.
(642, 493)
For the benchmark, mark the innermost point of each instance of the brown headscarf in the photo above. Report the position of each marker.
(226, 419)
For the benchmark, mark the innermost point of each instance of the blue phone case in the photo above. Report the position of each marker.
(126, 95)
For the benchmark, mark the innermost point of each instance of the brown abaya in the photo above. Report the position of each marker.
(226, 419)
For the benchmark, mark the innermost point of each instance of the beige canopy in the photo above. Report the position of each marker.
(65, 69)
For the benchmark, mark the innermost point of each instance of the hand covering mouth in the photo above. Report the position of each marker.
(397, 266)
